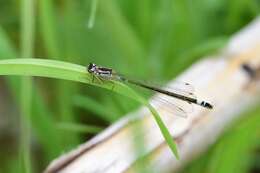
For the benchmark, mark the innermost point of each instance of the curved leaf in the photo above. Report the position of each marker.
(73, 72)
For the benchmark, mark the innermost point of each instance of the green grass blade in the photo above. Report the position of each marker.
(97, 108)
(5, 45)
(57, 38)
(77, 73)
(131, 47)
(49, 32)
(27, 47)
(43, 123)
(7, 51)
(79, 128)
(93, 11)
(166, 134)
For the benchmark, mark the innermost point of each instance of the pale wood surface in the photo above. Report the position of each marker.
(218, 79)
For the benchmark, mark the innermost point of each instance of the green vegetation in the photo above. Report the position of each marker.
(68, 71)
(146, 38)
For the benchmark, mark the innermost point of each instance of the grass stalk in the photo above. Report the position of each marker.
(27, 46)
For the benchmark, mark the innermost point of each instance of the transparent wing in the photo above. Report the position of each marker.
(178, 87)
(181, 88)
(172, 105)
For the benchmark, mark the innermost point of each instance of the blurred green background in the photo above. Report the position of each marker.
(41, 118)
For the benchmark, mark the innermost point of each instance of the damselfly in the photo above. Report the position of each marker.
(180, 92)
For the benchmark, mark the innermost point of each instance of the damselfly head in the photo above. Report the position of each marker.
(91, 67)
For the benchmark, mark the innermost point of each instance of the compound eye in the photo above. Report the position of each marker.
(91, 67)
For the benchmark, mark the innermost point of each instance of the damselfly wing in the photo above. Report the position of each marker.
(175, 96)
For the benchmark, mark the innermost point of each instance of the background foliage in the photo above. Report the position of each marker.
(140, 38)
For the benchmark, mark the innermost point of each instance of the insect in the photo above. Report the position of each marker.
(181, 92)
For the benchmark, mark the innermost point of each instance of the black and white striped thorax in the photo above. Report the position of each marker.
(100, 71)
